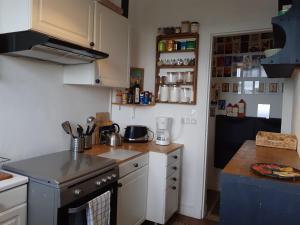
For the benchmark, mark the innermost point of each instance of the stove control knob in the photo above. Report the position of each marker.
(109, 178)
(77, 192)
(104, 180)
(114, 175)
(98, 183)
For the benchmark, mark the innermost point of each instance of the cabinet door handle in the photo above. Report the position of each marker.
(120, 185)
(174, 168)
(174, 179)
(92, 44)
(173, 188)
(97, 81)
(175, 156)
(136, 165)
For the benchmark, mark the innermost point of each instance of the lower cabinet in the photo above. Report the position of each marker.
(14, 216)
(132, 195)
(13, 206)
(163, 186)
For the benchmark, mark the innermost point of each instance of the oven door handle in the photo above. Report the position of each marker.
(78, 209)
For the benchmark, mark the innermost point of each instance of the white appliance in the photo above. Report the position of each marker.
(163, 130)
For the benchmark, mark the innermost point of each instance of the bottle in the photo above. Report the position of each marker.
(136, 93)
(242, 108)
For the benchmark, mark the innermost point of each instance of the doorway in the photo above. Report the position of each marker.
(237, 76)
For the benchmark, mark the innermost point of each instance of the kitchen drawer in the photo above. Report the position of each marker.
(133, 165)
(13, 197)
(173, 168)
(174, 157)
(172, 198)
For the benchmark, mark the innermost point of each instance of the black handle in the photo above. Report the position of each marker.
(174, 179)
(174, 168)
(120, 185)
(118, 127)
(173, 188)
(136, 165)
(175, 157)
(97, 81)
(92, 44)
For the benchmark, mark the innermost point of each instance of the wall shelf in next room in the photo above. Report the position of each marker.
(133, 105)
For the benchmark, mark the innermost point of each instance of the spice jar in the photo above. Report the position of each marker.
(195, 27)
(170, 45)
(189, 77)
(185, 94)
(161, 46)
(185, 27)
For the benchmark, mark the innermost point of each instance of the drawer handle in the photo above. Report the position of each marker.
(136, 165)
(175, 156)
(120, 185)
(174, 188)
(174, 179)
(174, 168)
(92, 44)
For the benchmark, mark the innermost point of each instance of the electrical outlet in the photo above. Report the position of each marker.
(193, 121)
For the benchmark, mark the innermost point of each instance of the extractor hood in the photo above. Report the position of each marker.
(40, 46)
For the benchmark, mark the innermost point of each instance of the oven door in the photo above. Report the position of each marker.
(75, 213)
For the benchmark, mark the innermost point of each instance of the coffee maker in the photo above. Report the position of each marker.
(163, 130)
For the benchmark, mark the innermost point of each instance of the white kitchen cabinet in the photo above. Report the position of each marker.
(111, 35)
(69, 20)
(132, 193)
(13, 206)
(163, 186)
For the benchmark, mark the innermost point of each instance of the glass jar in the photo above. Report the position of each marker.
(195, 27)
(185, 27)
(161, 46)
(186, 94)
(172, 77)
(174, 93)
(164, 93)
(189, 77)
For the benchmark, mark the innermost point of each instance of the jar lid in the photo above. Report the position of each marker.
(195, 23)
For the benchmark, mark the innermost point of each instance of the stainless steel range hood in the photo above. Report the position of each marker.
(40, 46)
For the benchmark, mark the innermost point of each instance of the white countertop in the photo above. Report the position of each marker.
(17, 180)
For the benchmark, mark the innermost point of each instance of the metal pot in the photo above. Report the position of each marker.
(113, 139)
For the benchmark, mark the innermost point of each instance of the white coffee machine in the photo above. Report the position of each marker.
(163, 130)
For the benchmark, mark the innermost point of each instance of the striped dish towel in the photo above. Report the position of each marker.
(98, 212)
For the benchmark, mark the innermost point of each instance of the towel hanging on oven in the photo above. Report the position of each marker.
(98, 211)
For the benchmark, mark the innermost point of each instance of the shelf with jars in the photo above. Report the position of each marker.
(176, 68)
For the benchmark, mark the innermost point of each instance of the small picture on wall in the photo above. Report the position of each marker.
(221, 104)
(220, 72)
(236, 46)
(225, 87)
(237, 87)
(259, 87)
(248, 87)
(227, 72)
(137, 76)
(273, 87)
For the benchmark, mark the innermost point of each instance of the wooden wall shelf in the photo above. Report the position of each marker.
(190, 68)
(133, 105)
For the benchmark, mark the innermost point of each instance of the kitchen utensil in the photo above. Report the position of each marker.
(79, 130)
(113, 139)
(77, 144)
(136, 133)
(103, 131)
(67, 128)
(90, 120)
(92, 130)
(87, 142)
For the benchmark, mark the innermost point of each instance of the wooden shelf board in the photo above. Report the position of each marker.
(133, 105)
(176, 103)
(178, 51)
(176, 67)
(178, 36)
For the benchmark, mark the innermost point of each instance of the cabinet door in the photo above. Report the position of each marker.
(14, 216)
(70, 20)
(172, 196)
(112, 37)
(132, 198)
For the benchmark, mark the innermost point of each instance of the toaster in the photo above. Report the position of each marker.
(136, 134)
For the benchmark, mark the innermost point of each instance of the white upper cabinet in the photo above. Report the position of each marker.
(112, 36)
(70, 20)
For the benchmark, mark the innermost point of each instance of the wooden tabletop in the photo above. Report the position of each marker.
(140, 147)
(249, 153)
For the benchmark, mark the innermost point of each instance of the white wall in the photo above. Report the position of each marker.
(216, 17)
(296, 106)
(34, 102)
